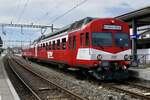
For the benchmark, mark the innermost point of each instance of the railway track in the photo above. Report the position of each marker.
(134, 89)
(23, 92)
(40, 87)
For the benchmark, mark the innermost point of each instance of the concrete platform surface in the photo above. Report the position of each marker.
(140, 72)
(7, 91)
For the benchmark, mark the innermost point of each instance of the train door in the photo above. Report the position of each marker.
(36, 50)
(72, 49)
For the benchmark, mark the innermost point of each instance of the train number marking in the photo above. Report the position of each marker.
(113, 57)
(50, 54)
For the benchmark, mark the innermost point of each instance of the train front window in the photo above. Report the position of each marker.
(101, 39)
(121, 39)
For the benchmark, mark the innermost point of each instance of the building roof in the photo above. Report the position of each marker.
(142, 16)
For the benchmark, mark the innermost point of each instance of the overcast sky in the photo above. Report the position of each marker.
(46, 11)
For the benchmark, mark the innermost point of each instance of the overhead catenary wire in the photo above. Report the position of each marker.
(50, 11)
(77, 5)
(68, 11)
(17, 7)
(23, 10)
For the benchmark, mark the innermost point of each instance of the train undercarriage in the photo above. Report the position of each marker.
(110, 71)
(104, 71)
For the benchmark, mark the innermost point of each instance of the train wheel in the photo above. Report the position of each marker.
(63, 67)
(95, 74)
(83, 74)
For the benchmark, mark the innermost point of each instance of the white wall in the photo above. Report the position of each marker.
(145, 52)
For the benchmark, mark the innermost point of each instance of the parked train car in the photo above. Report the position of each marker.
(99, 46)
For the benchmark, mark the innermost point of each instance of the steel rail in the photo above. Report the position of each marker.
(138, 85)
(126, 91)
(61, 88)
(134, 94)
(10, 65)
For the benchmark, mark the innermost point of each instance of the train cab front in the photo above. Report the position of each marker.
(111, 49)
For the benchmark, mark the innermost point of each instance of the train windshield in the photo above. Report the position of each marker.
(121, 39)
(102, 39)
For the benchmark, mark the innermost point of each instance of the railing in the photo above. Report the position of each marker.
(143, 58)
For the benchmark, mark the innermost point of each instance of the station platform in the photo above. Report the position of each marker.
(7, 91)
(142, 72)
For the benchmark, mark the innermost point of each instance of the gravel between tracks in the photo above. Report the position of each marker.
(80, 87)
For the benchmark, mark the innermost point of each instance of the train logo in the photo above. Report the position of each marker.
(50, 54)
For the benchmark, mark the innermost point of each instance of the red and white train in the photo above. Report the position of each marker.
(99, 46)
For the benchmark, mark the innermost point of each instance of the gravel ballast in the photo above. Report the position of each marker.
(81, 87)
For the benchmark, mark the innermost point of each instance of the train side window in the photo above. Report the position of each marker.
(49, 45)
(74, 42)
(53, 45)
(46, 46)
(38, 47)
(43, 44)
(81, 39)
(64, 43)
(70, 42)
(87, 39)
(58, 44)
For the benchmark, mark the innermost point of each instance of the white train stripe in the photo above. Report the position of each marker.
(91, 54)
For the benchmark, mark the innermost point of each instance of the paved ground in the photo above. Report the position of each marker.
(7, 92)
(141, 72)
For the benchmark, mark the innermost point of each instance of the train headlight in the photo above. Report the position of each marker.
(126, 57)
(99, 57)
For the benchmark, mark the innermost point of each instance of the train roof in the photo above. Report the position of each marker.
(64, 29)
(75, 25)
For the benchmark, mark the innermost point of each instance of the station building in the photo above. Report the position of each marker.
(139, 22)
